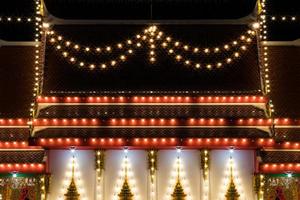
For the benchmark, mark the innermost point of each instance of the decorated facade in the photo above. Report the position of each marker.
(123, 100)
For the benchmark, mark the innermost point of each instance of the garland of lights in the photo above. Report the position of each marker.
(283, 18)
(205, 162)
(74, 60)
(152, 38)
(16, 19)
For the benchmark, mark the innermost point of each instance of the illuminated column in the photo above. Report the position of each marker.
(259, 186)
(205, 172)
(44, 183)
(126, 184)
(152, 167)
(99, 163)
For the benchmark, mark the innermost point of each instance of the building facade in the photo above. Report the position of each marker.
(136, 100)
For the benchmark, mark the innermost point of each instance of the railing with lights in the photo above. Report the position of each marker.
(153, 99)
(163, 122)
(161, 143)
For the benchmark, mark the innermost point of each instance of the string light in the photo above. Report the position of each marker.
(283, 18)
(180, 49)
(37, 56)
(264, 49)
(126, 172)
(168, 43)
(15, 19)
(67, 55)
(107, 49)
(155, 38)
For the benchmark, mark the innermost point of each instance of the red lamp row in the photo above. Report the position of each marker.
(244, 143)
(13, 122)
(280, 167)
(151, 122)
(22, 167)
(154, 99)
(165, 122)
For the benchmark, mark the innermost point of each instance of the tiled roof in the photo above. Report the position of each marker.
(137, 74)
(21, 156)
(122, 9)
(285, 79)
(280, 156)
(160, 111)
(16, 81)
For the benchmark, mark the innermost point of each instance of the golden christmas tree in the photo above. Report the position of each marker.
(72, 193)
(125, 193)
(178, 193)
(232, 193)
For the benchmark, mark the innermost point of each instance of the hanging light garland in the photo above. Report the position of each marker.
(37, 55)
(283, 18)
(15, 19)
(155, 39)
(177, 50)
(131, 46)
(106, 49)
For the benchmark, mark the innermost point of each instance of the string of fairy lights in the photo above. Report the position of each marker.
(153, 38)
(16, 19)
(37, 56)
(262, 18)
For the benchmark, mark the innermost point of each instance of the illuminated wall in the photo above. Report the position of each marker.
(138, 160)
(59, 159)
(244, 161)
